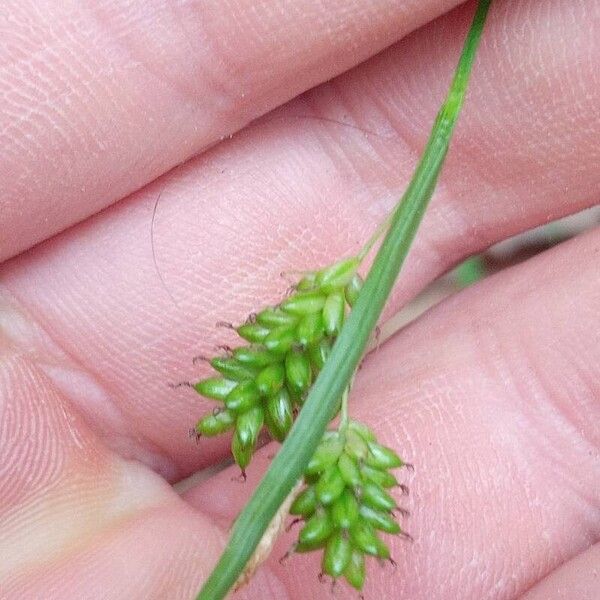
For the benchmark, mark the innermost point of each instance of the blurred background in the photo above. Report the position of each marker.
(505, 254)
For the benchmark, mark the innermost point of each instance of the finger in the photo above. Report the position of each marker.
(76, 521)
(577, 578)
(494, 396)
(100, 99)
(295, 194)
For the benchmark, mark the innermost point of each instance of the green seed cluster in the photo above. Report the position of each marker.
(264, 382)
(345, 503)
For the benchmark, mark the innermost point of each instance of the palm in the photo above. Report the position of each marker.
(493, 395)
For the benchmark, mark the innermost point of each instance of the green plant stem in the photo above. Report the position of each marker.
(381, 229)
(289, 464)
(344, 410)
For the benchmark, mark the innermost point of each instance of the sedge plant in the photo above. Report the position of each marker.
(292, 376)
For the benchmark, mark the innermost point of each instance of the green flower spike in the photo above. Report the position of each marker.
(265, 381)
(344, 504)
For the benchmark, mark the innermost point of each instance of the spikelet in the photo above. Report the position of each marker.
(346, 505)
(265, 382)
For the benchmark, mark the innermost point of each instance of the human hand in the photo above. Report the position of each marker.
(493, 394)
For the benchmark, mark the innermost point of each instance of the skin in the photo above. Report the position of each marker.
(493, 394)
